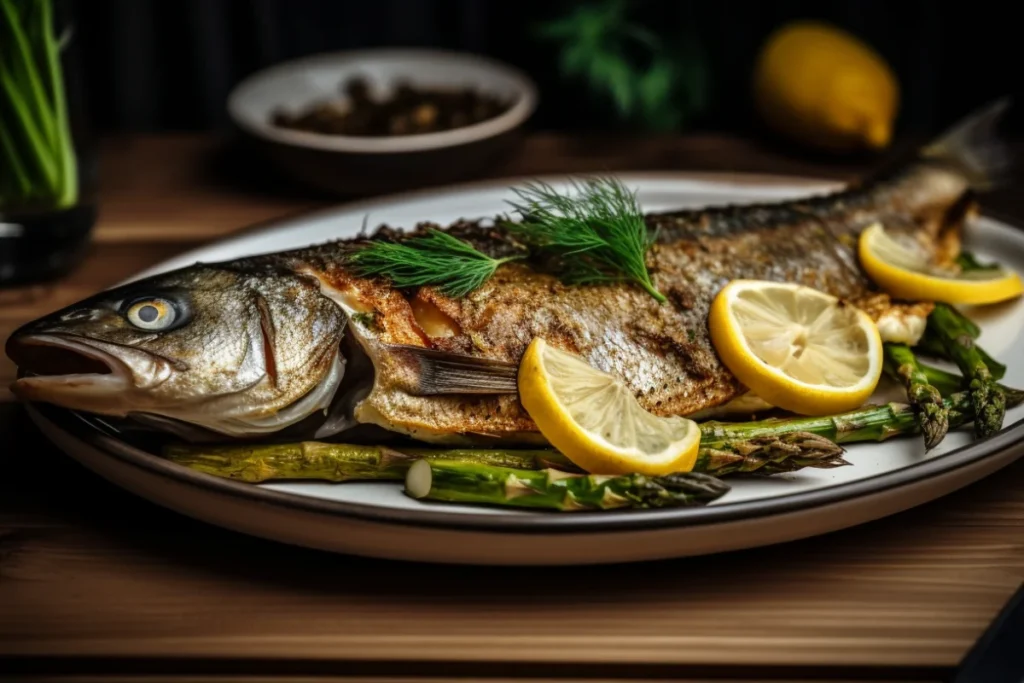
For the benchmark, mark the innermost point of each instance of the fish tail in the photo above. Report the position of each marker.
(973, 147)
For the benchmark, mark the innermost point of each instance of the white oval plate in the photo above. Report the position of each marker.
(377, 519)
(299, 83)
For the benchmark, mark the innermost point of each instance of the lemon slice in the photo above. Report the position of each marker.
(795, 347)
(902, 268)
(595, 420)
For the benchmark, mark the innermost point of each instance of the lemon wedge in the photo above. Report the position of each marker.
(593, 418)
(795, 347)
(902, 268)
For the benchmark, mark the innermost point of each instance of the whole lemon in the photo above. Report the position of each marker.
(820, 85)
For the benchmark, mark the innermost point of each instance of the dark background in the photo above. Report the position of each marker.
(169, 64)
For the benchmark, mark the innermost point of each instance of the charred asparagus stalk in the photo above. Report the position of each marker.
(463, 482)
(871, 423)
(931, 345)
(989, 403)
(929, 411)
(337, 462)
(969, 326)
(948, 383)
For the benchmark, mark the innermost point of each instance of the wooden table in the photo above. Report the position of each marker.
(96, 581)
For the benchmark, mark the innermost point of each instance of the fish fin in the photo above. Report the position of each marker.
(442, 372)
(973, 146)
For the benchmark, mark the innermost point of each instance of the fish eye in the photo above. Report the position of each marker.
(151, 314)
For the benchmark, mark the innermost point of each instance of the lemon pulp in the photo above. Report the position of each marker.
(593, 417)
(795, 347)
(904, 269)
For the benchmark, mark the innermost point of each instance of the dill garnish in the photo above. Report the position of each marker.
(598, 236)
(438, 259)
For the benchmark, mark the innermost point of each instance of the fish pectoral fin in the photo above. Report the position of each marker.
(443, 372)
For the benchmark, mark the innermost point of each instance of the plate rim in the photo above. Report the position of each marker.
(1009, 438)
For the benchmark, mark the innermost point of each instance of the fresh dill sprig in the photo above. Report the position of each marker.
(453, 266)
(598, 236)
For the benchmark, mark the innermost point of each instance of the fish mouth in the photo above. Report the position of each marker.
(66, 370)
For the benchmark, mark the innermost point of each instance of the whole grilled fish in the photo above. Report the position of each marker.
(296, 341)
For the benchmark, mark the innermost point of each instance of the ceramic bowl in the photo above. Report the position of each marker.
(350, 165)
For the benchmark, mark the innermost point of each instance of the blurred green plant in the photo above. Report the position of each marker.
(37, 156)
(649, 83)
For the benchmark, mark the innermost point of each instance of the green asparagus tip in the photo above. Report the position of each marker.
(989, 406)
(934, 423)
(930, 413)
(987, 398)
(769, 454)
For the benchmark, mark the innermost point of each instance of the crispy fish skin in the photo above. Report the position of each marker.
(663, 352)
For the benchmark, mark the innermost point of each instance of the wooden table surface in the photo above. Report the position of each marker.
(96, 581)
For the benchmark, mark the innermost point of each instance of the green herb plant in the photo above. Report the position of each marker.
(597, 235)
(437, 258)
(657, 86)
(37, 157)
(594, 235)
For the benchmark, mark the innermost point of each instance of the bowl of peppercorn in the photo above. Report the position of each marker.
(383, 120)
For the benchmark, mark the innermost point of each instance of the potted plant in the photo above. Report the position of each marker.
(46, 210)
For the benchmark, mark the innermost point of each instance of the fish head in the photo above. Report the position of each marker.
(236, 350)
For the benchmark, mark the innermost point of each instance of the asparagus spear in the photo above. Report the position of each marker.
(969, 326)
(342, 462)
(929, 411)
(463, 482)
(988, 402)
(871, 423)
(948, 383)
(337, 462)
(768, 454)
(931, 345)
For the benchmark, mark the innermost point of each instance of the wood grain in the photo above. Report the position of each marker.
(87, 570)
(91, 576)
